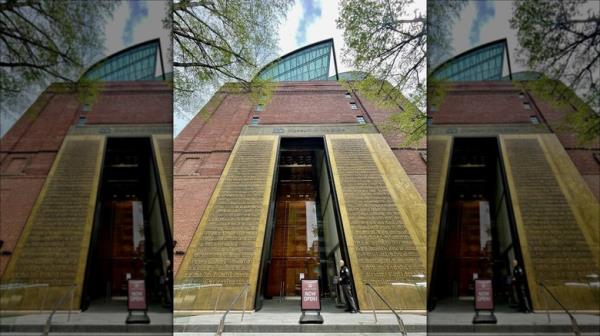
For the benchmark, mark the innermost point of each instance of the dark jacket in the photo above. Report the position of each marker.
(345, 275)
(518, 274)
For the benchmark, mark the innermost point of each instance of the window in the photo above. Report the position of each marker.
(353, 106)
(521, 95)
(260, 107)
(348, 95)
(82, 120)
(360, 119)
(16, 166)
(526, 106)
(255, 121)
(534, 120)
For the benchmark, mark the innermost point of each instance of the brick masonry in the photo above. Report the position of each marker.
(501, 102)
(201, 149)
(28, 149)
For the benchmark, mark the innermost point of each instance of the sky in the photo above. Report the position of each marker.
(132, 22)
(306, 22)
(485, 21)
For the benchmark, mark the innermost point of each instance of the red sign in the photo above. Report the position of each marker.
(484, 298)
(310, 295)
(136, 295)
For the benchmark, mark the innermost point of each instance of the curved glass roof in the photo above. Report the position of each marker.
(478, 64)
(137, 62)
(305, 64)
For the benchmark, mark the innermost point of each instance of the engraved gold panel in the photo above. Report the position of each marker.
(383, 217)
(438, 158)
(163, 152)
(54, 245)
(557, 220)
(227, 245)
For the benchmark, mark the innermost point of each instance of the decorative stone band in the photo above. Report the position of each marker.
(162, 146)
(226, 247)
(557, 220)
(54, 245)
(439, 148)
(383, 217)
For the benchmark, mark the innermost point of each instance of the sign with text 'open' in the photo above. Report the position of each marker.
(137, 295)
(484, 299)
(311, 300)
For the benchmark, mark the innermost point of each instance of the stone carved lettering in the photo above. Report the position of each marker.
(383, 245)
(558, 250)
(225, 252)
(52, 249)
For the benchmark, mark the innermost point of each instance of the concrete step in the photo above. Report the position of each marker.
(7, 329)
(303, 329)
(298, 334)
(87, 334)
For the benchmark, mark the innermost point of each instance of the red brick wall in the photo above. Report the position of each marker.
(482, 103)
(500, 102)
(149, 102)
(203, 147)
(36, 137)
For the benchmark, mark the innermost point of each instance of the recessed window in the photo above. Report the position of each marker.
(86, 108)
(260, 108)
(255, 121)
(526, 106)
(353, 106)
(360, 119)
(534, 120)
(521, 95)
(82, 120)
(432, 108)
(348, 95)
(16, 166)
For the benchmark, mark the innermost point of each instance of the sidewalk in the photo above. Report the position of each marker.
(101, 318)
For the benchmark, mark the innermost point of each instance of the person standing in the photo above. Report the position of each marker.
(519, 283)
(346, 284)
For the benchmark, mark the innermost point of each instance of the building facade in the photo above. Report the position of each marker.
(86, 201)
(507, 181)
(268, 195)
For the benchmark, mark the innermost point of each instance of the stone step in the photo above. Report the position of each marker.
(301, 329)
(6, 329)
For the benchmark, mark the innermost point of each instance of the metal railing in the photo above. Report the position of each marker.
(70, 292)
(398, 318)
(574, 325)
(221, 326)
(198, 286)
(15, 286)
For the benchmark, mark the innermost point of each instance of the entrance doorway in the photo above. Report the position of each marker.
(131, 238)
(304, 238)
(477, 237)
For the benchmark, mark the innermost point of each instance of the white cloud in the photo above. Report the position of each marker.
(324, 27)
(496, 28)
(462, 29)
(114, 29)
(151, 27)
(288, 29)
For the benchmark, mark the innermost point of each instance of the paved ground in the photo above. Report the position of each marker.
(282, 319)
(102, 318)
